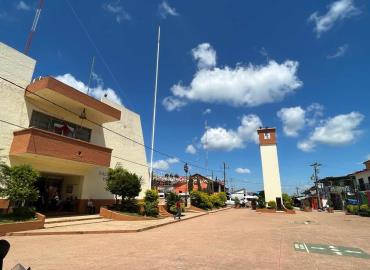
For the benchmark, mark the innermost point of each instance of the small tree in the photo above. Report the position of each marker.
(126, 185)
(190, 184)
(287, 201)
(151, 201)
(261, 203)
(18, 184)
(171, 199)
(199, 184)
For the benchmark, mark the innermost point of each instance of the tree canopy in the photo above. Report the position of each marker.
(122, 183)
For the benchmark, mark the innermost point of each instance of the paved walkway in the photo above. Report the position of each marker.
(233, 239)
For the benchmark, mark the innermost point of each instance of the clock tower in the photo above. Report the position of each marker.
(270, 165)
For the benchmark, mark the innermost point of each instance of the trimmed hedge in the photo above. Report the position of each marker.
(204, 201)
(151, 203)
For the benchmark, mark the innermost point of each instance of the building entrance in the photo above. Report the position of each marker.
(57, 194)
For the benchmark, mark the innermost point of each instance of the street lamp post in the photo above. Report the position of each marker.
(186, 170)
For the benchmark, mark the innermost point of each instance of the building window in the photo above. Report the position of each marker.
(361, 184)
(68, 129)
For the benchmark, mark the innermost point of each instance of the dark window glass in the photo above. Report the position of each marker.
(50, 123)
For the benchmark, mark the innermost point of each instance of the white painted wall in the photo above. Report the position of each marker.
(270, 171)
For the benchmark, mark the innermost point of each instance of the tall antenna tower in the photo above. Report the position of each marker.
(33, 28)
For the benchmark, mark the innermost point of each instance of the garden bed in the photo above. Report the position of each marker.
(266, 210)
(17, 226)
(122, 216)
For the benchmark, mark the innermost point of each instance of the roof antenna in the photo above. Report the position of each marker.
(33, 28)
(91, 74)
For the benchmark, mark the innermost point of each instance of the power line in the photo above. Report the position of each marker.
(117, 157)
(108, 129)
(84, 29)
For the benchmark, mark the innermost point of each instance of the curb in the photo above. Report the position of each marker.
(30, 233)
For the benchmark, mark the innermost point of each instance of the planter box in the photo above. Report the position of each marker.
(266, 210)
(23, 225)
(105, 213)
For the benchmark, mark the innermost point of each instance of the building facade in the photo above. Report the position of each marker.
(69, 137)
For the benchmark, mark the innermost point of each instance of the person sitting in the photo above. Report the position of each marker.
(90, 207)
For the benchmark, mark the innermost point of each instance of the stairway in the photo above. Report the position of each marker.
(73, 220)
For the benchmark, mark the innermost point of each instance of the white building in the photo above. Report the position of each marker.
(63, 133)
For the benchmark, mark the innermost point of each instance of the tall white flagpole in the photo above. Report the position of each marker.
(154, 111)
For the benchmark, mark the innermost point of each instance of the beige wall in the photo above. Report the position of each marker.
(364, 175)
(129, 126)
(270, 171)
(16, 108)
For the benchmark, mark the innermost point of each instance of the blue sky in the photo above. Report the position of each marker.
(300, 66)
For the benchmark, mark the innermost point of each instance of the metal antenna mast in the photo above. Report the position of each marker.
(206, 128)
(33, 28)
(154, 110)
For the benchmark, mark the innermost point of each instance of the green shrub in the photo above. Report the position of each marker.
(151, 203)
(215, 200)
(352, 209)
(223, 198)
(364, 207)
(171, 199)
(271, 205)
(288, 205)
(128, 205)
(23, 213)
(173, 209)
(261, 203)
(201, 200)
(237, 201)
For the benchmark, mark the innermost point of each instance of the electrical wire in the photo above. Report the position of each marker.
(108, 129)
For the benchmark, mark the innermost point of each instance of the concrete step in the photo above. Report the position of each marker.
(76, 222)
(71, 219)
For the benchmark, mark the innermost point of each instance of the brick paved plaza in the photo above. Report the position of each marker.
(232, 239)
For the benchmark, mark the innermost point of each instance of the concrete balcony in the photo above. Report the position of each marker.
(48, 90)
(33, 141)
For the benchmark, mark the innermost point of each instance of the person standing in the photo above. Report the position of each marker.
(178, 209)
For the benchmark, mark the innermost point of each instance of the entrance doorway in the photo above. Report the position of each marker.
(279, 204)
(59, 194)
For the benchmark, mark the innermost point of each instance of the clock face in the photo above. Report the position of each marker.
(266, 136)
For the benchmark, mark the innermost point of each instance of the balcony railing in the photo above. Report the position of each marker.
(34, 141)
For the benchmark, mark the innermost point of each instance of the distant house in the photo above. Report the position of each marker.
(179, 184)
(337, 189)
(240, 193)
(362, 180)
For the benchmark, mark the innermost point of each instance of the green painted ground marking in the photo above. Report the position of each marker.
(331, 250)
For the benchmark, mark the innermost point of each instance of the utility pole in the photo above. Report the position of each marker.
(225, 166)
(315, 177)
(297, 191)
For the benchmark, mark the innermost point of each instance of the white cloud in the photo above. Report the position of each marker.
(207, 111)
(97, 92)
(293, 119)
(368, 157)
(119, 13)
(226, 140)
(339, 130)
(205, 55)
(241, 86)
(23, 6)
(242, 170)
(190, 149)
(172, 103)
(340, 52)
(164, 164)
(165, 10)
(338, 10)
